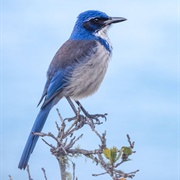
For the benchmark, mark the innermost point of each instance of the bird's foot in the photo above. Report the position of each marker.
(78, 117)
(88, 118)
(95, 117)
(92, 117)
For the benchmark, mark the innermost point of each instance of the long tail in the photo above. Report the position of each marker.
(32, 139)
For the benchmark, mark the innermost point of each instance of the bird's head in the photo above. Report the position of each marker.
(92, 22)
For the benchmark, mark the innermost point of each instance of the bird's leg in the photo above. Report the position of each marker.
(74, 109)
(72, 105)
(91, 116)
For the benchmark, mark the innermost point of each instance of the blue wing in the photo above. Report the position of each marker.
(57, 83)
(65, 60)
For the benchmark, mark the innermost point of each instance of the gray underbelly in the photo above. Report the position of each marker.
(86, 78)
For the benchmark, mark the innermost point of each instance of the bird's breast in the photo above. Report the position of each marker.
(87, 77)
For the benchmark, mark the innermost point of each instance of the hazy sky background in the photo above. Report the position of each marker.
(139, 92)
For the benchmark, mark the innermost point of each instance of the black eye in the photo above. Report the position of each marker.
(96, 20)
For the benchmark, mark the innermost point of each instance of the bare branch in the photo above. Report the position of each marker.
(10, 177)
(131, 174)
(99, 174)
(50, 145)
(64, 149)
(44, 172)
(60, 117)
(130, 143)
(28, 171)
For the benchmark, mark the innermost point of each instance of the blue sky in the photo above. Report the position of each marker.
(139, 92)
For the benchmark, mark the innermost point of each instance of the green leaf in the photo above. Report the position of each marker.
(127, 150)
(106, 153)
(113, 152)
(119, 155)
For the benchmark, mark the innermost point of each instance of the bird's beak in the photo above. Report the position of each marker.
(114, 20)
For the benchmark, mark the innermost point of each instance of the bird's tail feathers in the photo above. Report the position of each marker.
(32, 139)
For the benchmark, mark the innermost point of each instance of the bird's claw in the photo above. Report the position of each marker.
(93, 118)
(96, 117)
(78, 117)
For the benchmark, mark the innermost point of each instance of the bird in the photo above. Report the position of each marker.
(76, 70)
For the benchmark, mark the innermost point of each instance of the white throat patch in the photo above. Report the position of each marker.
(103, 34)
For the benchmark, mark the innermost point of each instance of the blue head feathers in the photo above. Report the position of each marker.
(93, 24)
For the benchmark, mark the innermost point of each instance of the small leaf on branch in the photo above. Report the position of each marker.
(113, 152)
(106, 152)
(126, 150)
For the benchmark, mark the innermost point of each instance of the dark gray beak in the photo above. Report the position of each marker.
(112, 20)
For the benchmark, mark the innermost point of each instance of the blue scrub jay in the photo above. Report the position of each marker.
(76, 70)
